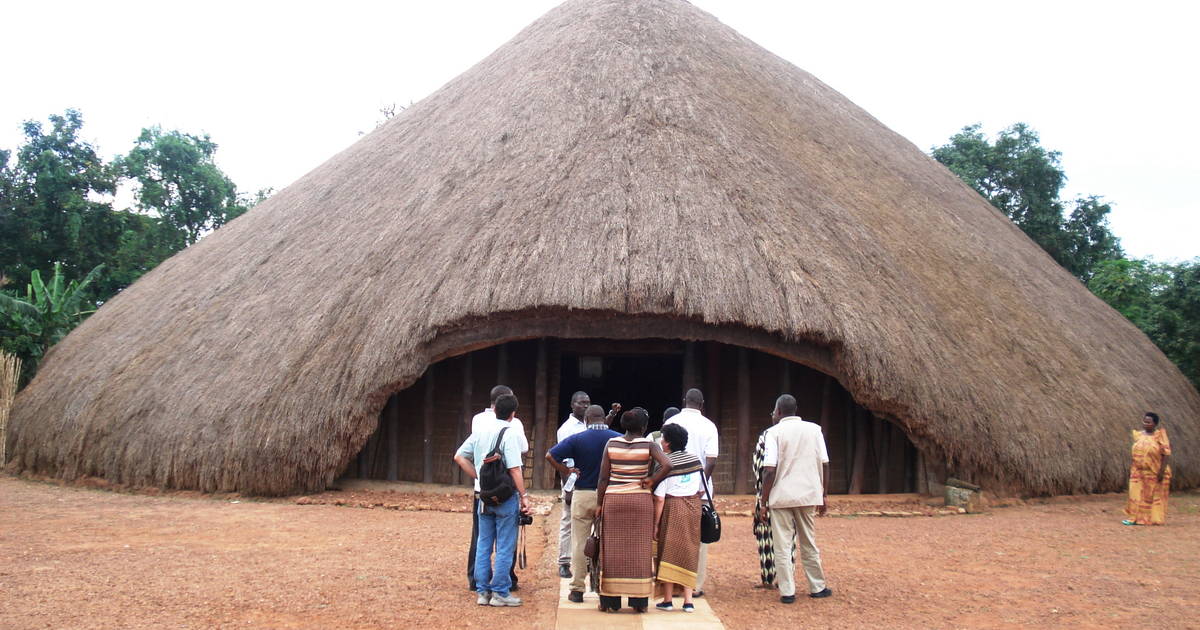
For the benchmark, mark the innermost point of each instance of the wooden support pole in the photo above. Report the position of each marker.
(712, 382)
(539, 414)
(742, 448)
(427, 464)
(502, 364)
(393, 438)
(860, 450)
(689, 368)
(463, 426)
(883, 450)
(849, 432)
(554, 384)
(785, 376)
(826, 405)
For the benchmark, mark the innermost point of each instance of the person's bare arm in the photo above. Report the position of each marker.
(710, 464)
(558, 466)
(467, 466)
(768, 475)
(659, 502)
(1163, 470)
(519, 482)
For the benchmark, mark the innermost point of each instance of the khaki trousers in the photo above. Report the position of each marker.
(582, 504)
(789, 525)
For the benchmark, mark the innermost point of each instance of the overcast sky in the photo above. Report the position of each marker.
(281, 87)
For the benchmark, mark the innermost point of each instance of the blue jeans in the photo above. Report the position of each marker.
(498, 527)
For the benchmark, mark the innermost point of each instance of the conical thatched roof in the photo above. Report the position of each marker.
(619, 168)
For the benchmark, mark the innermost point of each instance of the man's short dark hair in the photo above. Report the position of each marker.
(580, 394)
(500, 390)
(635, 420)
(506, 405)
(676, 436)
(693, 398)
(669, 413)
(786, 405)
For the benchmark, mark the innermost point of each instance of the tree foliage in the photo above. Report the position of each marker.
(178, 182)
(47, 312)
(57, 212)
(1023, 180)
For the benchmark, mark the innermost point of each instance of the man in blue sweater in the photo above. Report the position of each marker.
(586, 448)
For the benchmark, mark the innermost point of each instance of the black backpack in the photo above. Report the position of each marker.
(495, 484)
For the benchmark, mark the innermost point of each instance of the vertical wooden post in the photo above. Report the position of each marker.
(860, 450)
(883, 435)
(826, 405)
(539, 414)
(502, 364)
(427, 465)
(785, 376)
(922, 483)
(393, 438)
(712, 382)
(742, 445)
(851, 435)
(463, 426)
(689, 367)
(554, 380)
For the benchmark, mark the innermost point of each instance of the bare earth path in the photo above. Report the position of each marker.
(80, 558)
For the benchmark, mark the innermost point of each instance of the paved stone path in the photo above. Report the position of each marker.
(585, 616)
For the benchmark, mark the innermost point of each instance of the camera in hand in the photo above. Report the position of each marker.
(525, 519)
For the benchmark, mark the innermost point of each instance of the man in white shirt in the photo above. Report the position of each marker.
(794, 482)
(572, 425)
(702, 442)
(479, 424)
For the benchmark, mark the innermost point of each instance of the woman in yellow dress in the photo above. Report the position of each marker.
(1149, 476)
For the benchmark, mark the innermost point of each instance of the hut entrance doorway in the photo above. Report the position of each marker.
(652, 378)
(421, 426)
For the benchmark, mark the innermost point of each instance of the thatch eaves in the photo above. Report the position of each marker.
(618, 167)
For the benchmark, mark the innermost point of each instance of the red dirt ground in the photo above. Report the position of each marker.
(72, 557)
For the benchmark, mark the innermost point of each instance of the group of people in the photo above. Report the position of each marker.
(642, 498)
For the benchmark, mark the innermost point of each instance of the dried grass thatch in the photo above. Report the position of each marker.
(625, 169)
(10, 375)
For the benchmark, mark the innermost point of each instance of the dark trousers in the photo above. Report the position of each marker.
(512, 573)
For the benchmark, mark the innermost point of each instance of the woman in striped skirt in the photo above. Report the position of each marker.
(677, 519)
(624, 500)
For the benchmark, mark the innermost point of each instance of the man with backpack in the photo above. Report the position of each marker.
(492, 455)
(487, 418)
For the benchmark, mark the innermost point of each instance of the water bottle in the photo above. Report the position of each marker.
(569, 484)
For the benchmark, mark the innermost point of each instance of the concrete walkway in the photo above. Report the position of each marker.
(585, 616)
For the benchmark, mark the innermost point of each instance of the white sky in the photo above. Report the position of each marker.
(282, 86)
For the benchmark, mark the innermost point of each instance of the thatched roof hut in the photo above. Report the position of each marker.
(619, 170)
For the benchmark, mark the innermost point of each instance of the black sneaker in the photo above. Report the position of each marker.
(575, 596)
(787, 599)
(825, 592)
(564, 571)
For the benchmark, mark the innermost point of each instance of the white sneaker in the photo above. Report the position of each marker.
(484, 599)
(500, 600)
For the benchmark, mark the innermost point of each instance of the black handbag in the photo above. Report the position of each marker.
(591, 547)
(710, 521)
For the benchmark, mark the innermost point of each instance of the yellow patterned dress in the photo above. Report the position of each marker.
(1147, 495)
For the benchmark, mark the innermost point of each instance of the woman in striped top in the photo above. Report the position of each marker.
(623, 497)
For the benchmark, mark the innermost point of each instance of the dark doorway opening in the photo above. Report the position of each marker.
(651, 381)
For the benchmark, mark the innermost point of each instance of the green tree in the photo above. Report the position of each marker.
(1023, 180)
(54, 206)
(1163, 300)
(178, 181)
(32, 324)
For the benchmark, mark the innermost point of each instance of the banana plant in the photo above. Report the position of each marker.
(47, 312)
